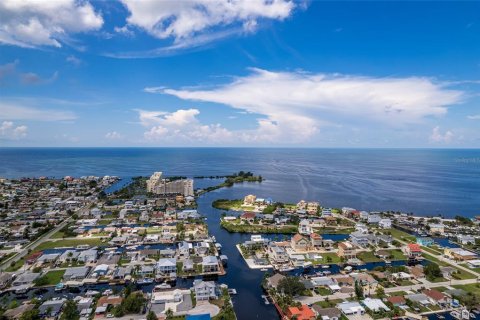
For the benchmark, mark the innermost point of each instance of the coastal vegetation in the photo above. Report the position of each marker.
(235, 178)
(137, 187)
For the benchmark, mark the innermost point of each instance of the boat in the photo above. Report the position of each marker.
(465, 314)
(472, 315)
(456, 314)
(439, 316)
(59, 287)
(264, 269)
(131, 247)
(347, 269)
(286, 269)
(325, 266)
(145, 281)
(163, 286)
(232, 291)
(265, 299)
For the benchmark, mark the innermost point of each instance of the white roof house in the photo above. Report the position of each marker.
(375, 304)
(350, 308)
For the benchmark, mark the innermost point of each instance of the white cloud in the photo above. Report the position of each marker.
(32, 23)
(186, 19)
(474, 117)
(294, 105)
(19, 112)
(438, 137)
(9, 131)
(114, 135)
(181, 126)
(74, 60)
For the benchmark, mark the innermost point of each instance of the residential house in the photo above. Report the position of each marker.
(273, 281)
(106, 302)
(412, 250)
(165, 266)
(300, 242)
(362, 239)
(205, 290)
(327, 313)
(300, 313)
(466, 239)
(385, 223)
(346, 250)
(376, 305)
(397, 301)
(436, 228)
(425, 241)
(304, 227)
(248, 217)
(210, 264)
(436, 296)
(459, 254)
(278, 254)
(76, 273)
(51, 308)
(316, 240)
(374, 219)
(351, 308)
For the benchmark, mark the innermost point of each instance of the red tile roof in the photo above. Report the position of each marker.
(414, 247)
(302, 313)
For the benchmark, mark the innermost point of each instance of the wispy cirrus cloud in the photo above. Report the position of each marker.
(195, 24)
(474, 117)
(293, 106)
(12, 111)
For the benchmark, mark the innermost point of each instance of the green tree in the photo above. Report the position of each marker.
(380, 292)
(151, 315)
(291, 286)
(432, 271)
(70, 311)
(169, 314)
(358, 290)
(30, 315)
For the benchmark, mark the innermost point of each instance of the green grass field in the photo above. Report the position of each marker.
(368, 256)
(68, 243)
(401, 235)
(54, 277)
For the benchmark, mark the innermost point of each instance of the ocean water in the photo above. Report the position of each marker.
(422, 181)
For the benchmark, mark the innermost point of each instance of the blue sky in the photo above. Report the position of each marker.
(240, 73)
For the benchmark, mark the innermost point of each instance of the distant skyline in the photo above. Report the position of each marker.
(215, 73)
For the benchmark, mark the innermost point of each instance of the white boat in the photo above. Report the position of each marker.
(286, 269)
(232, 291)
(472, 315)
(325, 266)
(131, 247)
(456, 314)
(163, 286)
(145, 281)
(264, 269)
(465, 314)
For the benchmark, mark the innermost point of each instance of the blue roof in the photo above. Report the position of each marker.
(205, 316)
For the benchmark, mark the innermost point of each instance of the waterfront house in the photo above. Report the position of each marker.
(374, 219)
(51, 308)
(277, 254)
(205, 290)
(384, 239)
(361, 227)
(184, 249)
(25, 278)
(304, 227)
(171, 297)
(5, 279)
(316, 240)
(248, 216)
(100, 270)
(412, 250)
(363, 215)
(68, 256)
(385, 223)
(300, 242)
(459, 254)
(210, 264)
(436, 296)
(166, 266)
(16, 313)
(362, 239)
(188, 265)
(106, 302)
(300, 313)
(466, 239)
(75, 273)
(88, 256)
(346, 250)
(273, 281)
(47, 258)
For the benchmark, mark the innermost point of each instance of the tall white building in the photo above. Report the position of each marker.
(158, 185)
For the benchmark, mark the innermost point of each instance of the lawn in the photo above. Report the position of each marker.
(329, 303)
(323, 291)
(401, 235)
(17, 265)
(368, 256)
(68, 243)
(398, 255)
(397, 293)
(54, 277)
(472, 287)
(334, 258)
(431, 250)
(462, 274)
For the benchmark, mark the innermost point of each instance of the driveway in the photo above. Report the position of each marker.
(203, 307)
